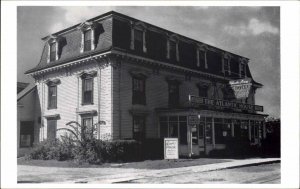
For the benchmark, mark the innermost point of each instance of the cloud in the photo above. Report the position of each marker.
(258, 27)
(254, 27)
(69, 16)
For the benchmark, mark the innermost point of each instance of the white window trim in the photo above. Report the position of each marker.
(92, 38)
(85, 26)
(133, 28)
(228, 57)
(50, 42)
(177, 49)
(198, 54)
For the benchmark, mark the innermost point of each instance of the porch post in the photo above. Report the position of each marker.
(213, 132)
(249, 130)
(232, 129)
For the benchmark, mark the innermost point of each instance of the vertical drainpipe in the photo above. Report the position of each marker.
(43, 97)
(120, 111)
(99, 99)
(77, 107)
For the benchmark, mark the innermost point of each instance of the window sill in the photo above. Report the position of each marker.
(85, 104)
(51, 108)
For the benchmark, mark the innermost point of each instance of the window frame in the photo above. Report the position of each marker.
(51, 105)
(141, 135)
(139, 97)
(52, 54)
(170, 100)
(84, 40)
(83, 83)
(48, 128)
(136, 41)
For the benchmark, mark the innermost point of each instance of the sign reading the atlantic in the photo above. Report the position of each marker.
(195, 100)
(171, 148)
(241, 87)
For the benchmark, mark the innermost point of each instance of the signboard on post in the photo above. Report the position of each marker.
(171, 148)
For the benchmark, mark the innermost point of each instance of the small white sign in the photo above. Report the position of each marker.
(171, 148)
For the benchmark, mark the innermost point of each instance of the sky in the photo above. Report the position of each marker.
(253, 32)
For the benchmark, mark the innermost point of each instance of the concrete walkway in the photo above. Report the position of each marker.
(141, 174)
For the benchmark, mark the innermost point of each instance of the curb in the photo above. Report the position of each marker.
(245, 165)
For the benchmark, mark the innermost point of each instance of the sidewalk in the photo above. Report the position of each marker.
(141, 174)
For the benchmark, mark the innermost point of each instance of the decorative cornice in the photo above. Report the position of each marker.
(89, 112)
(53, 82)
(52, 116)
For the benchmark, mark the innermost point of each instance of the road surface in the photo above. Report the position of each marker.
(260, 174)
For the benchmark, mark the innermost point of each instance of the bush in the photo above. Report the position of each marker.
(79, 144)
(51, 149)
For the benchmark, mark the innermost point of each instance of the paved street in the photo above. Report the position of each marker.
(266, 174)
(264, 170)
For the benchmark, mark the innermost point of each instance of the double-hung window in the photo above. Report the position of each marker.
(173, 94)
(138, 90)
(87, 40)
(226, 66)
(203, 91)
(52, 96)
(243, 70)
(87, 90)
(138, 40)
(53, 51)
(138, 128)
(173, 55)
(202, 57)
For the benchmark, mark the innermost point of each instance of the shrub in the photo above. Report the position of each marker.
(79, 144)
(51, 149)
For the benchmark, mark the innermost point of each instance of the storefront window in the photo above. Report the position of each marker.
(208, 131)
(244, 129)
(174, 126)
(183, 129)
(194, 135)
(173, 129)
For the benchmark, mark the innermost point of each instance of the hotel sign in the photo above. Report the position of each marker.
(196, 101)
(241, 87)
(171, 148)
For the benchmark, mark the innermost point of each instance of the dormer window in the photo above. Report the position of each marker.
(243, 70)
(53, 51)
(88, 40)
(138, 40)
(138, 37)
(172, 48)
(55, 45)
(226, 66)
(89, 35)
(201, 57)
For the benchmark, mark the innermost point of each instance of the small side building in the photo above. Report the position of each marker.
(28, 117)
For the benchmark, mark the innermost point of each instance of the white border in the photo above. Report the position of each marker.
(289, 90)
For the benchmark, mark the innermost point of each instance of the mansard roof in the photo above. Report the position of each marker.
(71, 44)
